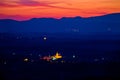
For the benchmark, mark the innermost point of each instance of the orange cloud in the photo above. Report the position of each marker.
(56, 8)
(33, 3)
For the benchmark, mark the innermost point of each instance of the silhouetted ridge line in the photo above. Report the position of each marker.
(106, 24)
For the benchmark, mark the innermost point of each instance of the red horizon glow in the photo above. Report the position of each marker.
(27, 9)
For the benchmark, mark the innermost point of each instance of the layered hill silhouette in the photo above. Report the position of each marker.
(106, 24)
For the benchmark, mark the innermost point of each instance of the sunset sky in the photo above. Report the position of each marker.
(26, 9)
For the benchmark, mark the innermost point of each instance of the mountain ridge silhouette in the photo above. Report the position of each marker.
(108, 24)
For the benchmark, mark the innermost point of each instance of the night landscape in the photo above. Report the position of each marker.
(59, 43)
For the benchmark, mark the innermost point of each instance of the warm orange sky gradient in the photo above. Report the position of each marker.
(26, 9)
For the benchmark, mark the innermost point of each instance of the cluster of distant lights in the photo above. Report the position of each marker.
(26, 59)
(47, 58)
(53, 58)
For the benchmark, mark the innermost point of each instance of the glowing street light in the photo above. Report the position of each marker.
(26, 59)
(45, 38)
(74, 56)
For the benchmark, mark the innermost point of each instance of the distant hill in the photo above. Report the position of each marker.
(106, 24)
